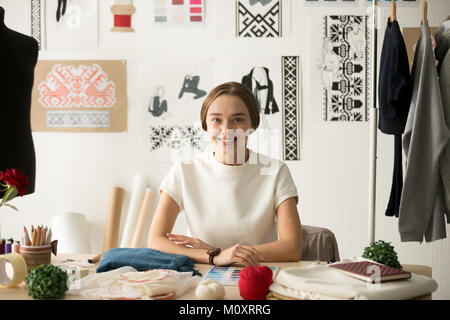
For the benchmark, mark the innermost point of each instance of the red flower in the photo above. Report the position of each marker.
(15, 178)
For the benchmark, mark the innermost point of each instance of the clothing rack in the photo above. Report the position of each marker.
(374, 114)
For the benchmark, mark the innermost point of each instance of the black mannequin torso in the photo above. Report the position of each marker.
(18, 57)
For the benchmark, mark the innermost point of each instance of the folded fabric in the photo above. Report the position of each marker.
(326, 282)
(143, 259)
(128, 283)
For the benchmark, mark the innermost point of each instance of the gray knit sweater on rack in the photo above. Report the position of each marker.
(426, 135)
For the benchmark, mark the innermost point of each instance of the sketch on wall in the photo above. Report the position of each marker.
(259, 82)
(71, 25)
(275, 86)
(79, 95)
(258, 19)
(170, 105)
(343, 66)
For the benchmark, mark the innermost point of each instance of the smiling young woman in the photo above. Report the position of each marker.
(238, 210)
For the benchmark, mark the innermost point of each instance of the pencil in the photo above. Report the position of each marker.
(43, 234)
(38, 237)
(33, 236)
(27, 237)
(96, 258)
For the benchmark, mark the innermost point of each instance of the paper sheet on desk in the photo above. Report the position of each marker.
(322, 282)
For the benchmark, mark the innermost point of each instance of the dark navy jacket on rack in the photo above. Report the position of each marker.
(394, 95)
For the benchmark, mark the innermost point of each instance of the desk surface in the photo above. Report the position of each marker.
(231, 292)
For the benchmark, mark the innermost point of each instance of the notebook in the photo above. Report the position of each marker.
(371, 271)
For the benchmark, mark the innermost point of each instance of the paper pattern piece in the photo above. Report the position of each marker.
(79, 96)
(230, 275)
(291, 107)
(179, 12)
(344, 68)
(72, 25)
(258, 20)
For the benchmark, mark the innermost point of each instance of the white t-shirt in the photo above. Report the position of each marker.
(225, 205)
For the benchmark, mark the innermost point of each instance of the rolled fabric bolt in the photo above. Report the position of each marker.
(2, 246)
(8, 248)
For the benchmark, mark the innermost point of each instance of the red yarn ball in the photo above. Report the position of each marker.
(254, 282)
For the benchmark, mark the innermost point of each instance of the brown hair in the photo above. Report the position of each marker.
(232, 89)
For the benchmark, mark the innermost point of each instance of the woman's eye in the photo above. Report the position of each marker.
(215, 120)
(238, 119)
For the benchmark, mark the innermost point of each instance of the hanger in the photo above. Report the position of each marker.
(393, 16)
(424, 11)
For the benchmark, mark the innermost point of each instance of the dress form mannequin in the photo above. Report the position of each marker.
(18, 57)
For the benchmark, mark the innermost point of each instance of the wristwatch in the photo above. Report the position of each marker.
(212, 253)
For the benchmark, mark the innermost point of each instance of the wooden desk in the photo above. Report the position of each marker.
(231, 292)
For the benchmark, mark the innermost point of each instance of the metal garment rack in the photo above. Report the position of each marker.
(373, 130)
(374, 115)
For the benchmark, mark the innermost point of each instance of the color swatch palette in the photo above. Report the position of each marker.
(179, 11)
(229, 275)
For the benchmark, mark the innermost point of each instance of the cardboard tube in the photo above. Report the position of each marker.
(139, 187)
(111, 236)
(144, 215)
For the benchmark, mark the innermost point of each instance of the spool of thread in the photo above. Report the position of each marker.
(122, 12)
(254, 282)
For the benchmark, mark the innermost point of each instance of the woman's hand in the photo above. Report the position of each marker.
(238, 254)
(182, 240)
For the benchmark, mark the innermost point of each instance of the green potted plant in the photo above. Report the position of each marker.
(382, 252)
(46, 282)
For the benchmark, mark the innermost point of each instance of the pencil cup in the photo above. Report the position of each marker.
(36, 255)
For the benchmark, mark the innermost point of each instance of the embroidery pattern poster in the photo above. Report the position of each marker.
(258, 20)
(80, 95)
(341, 68)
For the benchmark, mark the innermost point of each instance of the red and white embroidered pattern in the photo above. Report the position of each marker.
(85, 86)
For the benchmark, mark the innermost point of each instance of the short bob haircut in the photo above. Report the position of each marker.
(232, 89)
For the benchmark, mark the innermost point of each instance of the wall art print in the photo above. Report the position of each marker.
(179, 12)
(71, 24)
(259, 19)
(291, 106)
(170, 106)
(344, 68)
(80, 95)
(37, 22)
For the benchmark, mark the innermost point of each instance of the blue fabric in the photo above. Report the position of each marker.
(143, 259)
